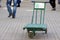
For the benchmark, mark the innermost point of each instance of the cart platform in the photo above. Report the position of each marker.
(36, 26)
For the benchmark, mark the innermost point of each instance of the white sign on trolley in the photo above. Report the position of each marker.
(39, 5)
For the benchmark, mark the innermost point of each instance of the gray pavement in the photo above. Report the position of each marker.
(12, 29)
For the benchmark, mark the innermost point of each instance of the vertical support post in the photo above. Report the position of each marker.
(32, 17)
(34, 32)
(41, 17)
(44, 13)
(36, 18)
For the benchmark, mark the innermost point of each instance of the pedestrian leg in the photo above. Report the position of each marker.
(14, 8)
(9, 7)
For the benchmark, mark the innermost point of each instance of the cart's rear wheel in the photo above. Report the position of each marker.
(46, 31)
(30, 34)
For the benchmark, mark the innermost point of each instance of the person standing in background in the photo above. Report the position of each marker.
(18, 3)
(53, 4)
(12, 12)
(58, 1)
(0, 3)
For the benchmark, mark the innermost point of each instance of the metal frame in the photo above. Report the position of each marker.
(31, 28)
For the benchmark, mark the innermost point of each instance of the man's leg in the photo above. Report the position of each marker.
(9, 7)
(14, 9)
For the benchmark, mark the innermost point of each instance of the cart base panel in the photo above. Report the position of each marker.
(36, 27)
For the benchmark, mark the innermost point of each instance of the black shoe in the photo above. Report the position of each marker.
(18, 5)
(9, 15)
(13, 16)
(53, 9)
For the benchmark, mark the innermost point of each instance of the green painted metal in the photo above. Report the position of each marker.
(41, 17)
(34, 26)
(32, 17)
(44, 14)
(36, 18)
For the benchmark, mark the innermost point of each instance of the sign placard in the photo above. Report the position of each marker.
(39, 5)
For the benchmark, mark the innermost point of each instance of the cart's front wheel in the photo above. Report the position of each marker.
(30, 34)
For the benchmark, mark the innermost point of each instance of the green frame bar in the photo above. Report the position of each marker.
(41, 16)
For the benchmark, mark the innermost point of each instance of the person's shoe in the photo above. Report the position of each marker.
(18, 5)
(0, 5)
(13, 16)
(53, 9)
(9, 15)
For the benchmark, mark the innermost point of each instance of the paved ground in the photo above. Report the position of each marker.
(12, 29)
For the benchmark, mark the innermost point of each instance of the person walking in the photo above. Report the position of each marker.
(0, 3)
(53, 4)
(12, 12)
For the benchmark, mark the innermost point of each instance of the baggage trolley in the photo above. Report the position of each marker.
(34, 26)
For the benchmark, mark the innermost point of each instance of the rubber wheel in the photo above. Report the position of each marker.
(46, 31)
(30, 34)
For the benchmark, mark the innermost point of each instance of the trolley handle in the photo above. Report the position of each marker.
(40, 1)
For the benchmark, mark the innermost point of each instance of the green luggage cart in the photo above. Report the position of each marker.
(34, 26)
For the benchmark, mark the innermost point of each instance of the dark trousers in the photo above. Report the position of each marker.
(18, 2)
(52, 3)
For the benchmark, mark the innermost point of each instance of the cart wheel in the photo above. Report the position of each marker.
(30, 34)
(46, 31)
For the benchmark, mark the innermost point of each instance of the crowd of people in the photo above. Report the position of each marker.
(16, 3)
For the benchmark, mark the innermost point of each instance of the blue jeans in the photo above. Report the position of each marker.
(9, 7)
